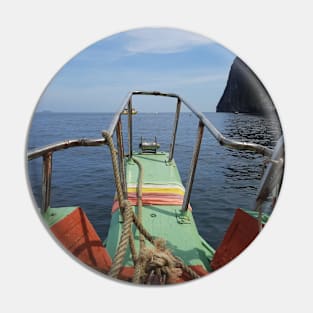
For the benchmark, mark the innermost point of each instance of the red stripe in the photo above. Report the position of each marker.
(151, 201)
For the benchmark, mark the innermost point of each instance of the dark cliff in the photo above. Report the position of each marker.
(244, 92)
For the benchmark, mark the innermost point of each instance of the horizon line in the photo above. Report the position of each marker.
(113, 112)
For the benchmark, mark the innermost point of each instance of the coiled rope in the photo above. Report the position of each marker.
(153, 264)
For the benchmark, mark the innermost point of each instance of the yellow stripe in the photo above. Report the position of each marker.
(159, 190)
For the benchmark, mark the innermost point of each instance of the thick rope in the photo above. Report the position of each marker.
(188, 270)
(161, 263)
(127, 213)
(136, 277)
(126, 210)
(139, 200)
(132, 247)
(142, 230)
(118, 182)
(157, 265)
(124, 240)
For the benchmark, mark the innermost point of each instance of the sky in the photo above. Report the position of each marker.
(164, 59)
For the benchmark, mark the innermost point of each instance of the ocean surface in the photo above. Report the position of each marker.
(225, 179)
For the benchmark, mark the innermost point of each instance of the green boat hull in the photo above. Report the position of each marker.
(166, 221)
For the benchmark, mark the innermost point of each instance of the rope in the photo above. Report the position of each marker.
(124, 240)
(118, 182)
(188, 270)
(142, 230)
(132, 247)
(139, 203)
(126, 211)
(155, 264)
(137, 274)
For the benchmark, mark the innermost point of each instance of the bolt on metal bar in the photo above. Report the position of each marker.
(46, 181)
(120, 146)
(172, 145)
(193, 166)
(130, 129)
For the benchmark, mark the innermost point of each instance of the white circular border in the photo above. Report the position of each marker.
(39, 38)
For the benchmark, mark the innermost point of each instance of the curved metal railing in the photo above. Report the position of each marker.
(127, 103)
(116, 126)
(84, 142)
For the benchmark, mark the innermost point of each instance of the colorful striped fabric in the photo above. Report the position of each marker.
(155, 195)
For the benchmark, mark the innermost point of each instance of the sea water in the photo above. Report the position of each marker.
(225, 179)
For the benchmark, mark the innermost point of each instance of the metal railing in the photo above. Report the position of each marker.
(116, 126)
(47, 155)
(272, 176)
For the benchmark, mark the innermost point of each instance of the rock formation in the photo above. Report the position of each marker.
(244, 93)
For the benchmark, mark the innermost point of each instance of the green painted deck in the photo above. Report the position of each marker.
(162, 221)
(54, 215)
(157, 170)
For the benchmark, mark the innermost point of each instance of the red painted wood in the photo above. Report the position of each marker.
(77, 235)
(241, 232)
(196, 268)
(126, 273)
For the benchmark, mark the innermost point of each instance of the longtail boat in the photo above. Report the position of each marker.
(153, 237)
(133, 111)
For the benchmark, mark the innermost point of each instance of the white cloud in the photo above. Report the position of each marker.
(162, 40)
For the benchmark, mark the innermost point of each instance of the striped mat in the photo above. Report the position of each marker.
(155, 195)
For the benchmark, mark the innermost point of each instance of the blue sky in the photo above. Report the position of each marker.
(164, 59)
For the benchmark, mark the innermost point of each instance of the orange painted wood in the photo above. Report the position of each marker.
(78, 235)
(196, 268)
(126, 273)
(240, 233)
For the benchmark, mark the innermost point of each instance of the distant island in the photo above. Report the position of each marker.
(244, 93)
(45, 111)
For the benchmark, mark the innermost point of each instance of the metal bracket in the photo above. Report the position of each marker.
(182, 217)
(149, 147)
